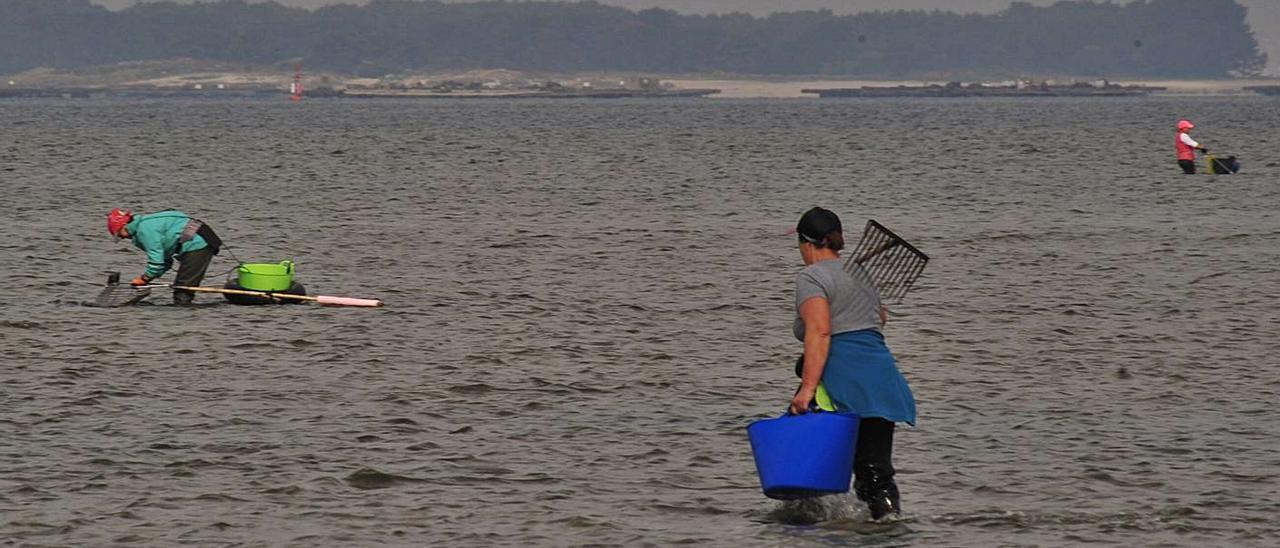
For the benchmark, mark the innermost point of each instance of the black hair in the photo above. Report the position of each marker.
(822, 228)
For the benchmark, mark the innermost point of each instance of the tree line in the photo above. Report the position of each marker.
(1142, 38)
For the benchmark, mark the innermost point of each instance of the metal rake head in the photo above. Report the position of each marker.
(892, 264)
(116, 295)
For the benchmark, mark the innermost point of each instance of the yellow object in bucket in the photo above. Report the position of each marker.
(823, 400)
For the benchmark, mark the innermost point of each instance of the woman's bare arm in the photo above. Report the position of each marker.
(816, 315)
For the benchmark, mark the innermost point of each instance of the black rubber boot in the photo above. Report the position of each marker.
(873, 468)
(877, 488)
(183, 298)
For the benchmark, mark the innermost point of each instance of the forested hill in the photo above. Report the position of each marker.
(1144, 38)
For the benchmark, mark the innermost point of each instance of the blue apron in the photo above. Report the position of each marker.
(862, 377)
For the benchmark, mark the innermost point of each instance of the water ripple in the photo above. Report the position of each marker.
(588, 302)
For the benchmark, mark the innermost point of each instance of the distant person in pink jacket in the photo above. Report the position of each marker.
(1187, 147)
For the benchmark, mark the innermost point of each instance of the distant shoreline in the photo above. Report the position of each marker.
(187, 77)
(735, 88)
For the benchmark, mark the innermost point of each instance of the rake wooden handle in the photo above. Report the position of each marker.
(321, 299)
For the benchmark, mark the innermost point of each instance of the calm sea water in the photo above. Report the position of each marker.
(587, 302)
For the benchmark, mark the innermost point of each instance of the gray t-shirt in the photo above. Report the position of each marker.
(854, 301)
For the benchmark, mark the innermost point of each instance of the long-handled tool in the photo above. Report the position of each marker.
(116, 294)
(321, 299)
(892, 264)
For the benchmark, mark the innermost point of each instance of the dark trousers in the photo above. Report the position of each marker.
(1188, 166)
(191, 268)
(873, 467)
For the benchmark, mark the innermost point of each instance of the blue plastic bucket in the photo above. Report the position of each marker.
(803, 456)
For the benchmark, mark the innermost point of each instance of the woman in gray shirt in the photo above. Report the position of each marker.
(838, 316)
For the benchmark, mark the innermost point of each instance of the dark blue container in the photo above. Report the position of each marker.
(803, 456)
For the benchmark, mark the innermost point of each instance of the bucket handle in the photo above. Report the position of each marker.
(813, 408)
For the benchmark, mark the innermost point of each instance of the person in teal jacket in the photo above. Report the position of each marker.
(165, 236)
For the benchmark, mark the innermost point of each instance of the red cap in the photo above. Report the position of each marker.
(117, 219)
(1185, 124)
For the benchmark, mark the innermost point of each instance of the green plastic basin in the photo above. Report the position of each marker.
(265, 276)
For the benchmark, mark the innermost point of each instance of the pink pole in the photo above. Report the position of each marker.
(347, 301)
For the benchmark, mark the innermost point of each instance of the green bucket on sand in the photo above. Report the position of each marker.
(265, 276)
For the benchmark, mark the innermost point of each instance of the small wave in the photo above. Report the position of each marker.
(166, 446)
(1180, 518)
(1112, 479)
(368, 478)
(650, 454)
(573, 386)
(694, 510)
(583, 522)
(476, 389)
(193, 463)
(533, 479)
(251, 345)
(723, 307)
(218, 497)
(21, 324)
(426, 445)
(1229, 237)
(1012, 236)
(1207, 277)
(818, 509)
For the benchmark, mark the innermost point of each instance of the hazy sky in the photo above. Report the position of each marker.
(1264, 15)
(766, 6)
(754, 6)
